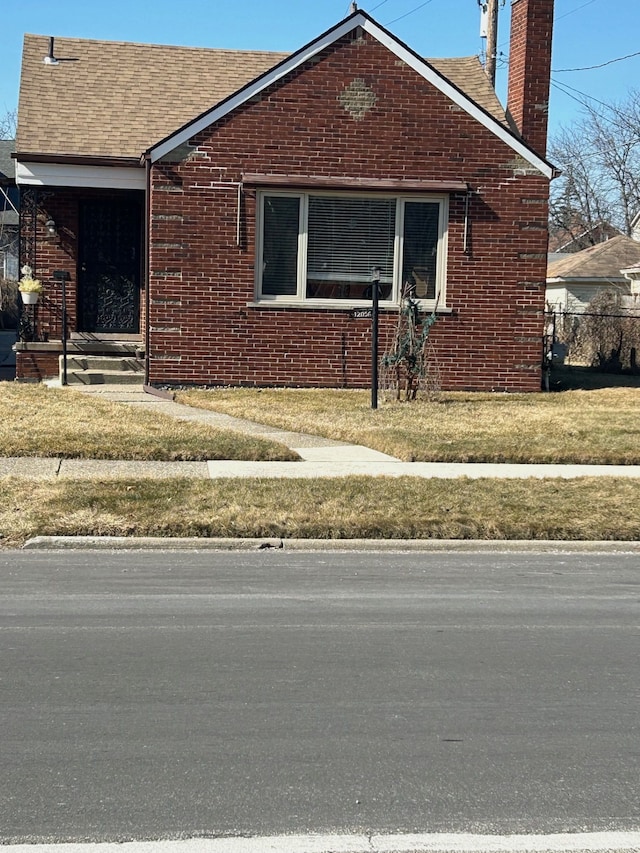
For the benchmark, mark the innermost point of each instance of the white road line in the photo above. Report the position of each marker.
(590, 842)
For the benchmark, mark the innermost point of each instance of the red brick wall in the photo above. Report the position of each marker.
(202, 328)
(36, 366)
(530, 68)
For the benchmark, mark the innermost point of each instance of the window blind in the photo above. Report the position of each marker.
(348, 237)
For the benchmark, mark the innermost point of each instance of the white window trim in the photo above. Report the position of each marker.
(300, 299)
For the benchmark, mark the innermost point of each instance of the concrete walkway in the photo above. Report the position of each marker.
(320, 457)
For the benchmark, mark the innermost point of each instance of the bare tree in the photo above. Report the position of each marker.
(9, 124)
(600, 161)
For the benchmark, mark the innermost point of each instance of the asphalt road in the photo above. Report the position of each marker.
(148, 695)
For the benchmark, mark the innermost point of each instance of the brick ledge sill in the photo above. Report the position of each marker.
(77, 346)
(302, 306)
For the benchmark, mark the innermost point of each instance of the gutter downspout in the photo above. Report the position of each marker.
(467, 202)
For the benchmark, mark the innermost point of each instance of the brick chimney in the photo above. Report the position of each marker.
(530, 70)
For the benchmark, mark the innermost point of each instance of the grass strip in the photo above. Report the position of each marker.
(581, 427)
(39, 421)
(351, 507)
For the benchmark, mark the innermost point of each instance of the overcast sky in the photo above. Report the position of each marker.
(587, 33)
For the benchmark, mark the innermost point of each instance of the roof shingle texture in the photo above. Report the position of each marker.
(605, 260)
(467, 73)
(117, 99)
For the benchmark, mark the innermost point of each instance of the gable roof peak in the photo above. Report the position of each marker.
(358, 19)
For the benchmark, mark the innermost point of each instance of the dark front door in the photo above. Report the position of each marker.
(109, 270)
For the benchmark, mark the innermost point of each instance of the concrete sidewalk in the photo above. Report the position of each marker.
(78, 469)
(320, 457)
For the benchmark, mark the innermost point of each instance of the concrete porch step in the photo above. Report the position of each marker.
(126, 364)
(103, 370)
(102, 377)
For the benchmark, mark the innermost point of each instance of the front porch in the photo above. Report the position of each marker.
(85, 246)
(88, 362)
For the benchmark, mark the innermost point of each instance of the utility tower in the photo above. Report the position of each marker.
(489, 30)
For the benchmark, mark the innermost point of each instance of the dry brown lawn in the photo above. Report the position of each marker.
(40, 421)
(576, 426)
(599, 426)
(353, 507)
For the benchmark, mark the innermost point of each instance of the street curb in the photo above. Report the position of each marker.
(155, 543)
(586, 842)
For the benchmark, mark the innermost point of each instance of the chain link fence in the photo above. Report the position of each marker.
(605, 337)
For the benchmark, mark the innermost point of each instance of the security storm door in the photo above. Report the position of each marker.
(109, 266)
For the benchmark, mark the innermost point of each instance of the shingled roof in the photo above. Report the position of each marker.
(117, 99)
(467, 73)
(604, 261)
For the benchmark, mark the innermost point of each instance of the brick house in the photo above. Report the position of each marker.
(219, 213)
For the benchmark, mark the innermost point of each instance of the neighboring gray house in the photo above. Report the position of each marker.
(573, 280)
(9, 219)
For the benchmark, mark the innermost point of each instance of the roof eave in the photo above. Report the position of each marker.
(76, 159)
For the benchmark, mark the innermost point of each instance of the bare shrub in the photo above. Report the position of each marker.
(409, 365)
(606, 336)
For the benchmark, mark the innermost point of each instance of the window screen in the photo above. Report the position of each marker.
(420, 247)
(281, 223)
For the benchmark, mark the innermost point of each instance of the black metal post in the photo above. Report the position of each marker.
(375, 294)
(64, 331)
(63, 276)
